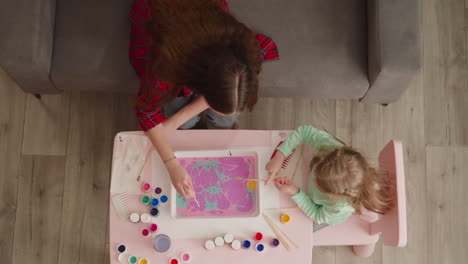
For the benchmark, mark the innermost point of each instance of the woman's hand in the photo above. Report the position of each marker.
(286, 186)
(180, 179)
(274, 165)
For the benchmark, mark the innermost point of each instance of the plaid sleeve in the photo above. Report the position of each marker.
(268, 46)
(138, 46)
(150, 117)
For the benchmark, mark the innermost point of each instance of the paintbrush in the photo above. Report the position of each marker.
(244, 179)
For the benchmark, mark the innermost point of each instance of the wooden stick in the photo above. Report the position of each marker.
(286, 208)
(144, 164)
(278, 234)
(281, 232)
(255, 180)
(298, 162)
(196, 201)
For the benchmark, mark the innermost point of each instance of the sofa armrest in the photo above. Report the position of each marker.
(394, 48)
(26, 42)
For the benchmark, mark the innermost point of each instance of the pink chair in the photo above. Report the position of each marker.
(363, 232)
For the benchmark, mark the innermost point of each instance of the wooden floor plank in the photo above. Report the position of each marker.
(269, 113)
(358, 125)
(445, 72)
(448, 210)
(324, 255)
(318, 113)
(124, 114)
(46, 125)
(12, 104)
(85, 206)
(403, 120)
(40, 192)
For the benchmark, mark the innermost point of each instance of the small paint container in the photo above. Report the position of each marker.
(153, 227)
(154, 202)
(228, 238)
(275, 242)
(146, 187)
(219, 241)
(123, 258)
(121, 248)
(134, 217)
(132, 260)
(246, 244)
(157, 190)
(209, 244)
(145, 218)
(185, 257)
(236, 244)
(162, 243)
(145, 199)
(173, 261)
(285, 218)
(144, 232)
(163, 198)
(154, 212)
(258, 236)
(259, 247)
(143, 261)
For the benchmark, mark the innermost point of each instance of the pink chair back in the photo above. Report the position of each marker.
(392, 225)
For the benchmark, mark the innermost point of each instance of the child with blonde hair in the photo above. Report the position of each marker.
(341, 180)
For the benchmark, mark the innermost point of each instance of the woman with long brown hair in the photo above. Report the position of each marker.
(193, 58)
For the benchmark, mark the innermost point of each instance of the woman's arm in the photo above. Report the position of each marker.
(159, 137)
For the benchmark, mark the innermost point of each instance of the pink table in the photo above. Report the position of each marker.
(125, 232)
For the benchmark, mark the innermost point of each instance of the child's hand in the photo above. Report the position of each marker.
(286, 186)
(274, 165)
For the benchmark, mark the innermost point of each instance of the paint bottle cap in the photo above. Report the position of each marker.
(209, 244)
(157, 190)
(134, 217)
(285, 218)
(162, 243)
(246, 244)
(185, 257)
(258, 236)
(173, 261)
(143, 261)
(163, 198)
(154, 202)
(123, 258)
(228, 238)
(236, 244)
(132, 260)
(145, 199)
(219, 241)
(145, 187)
(153, 227)
(121, 248)
(275, 242)
(154, 211)
(144, 232)
(259, 247)
(145, 218)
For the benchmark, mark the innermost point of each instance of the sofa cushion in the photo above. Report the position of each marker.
(91, 46)
(26, 32)
(322, 46)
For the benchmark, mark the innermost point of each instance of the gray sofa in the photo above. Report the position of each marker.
(361, 49)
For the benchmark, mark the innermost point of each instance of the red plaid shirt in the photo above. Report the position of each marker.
(140, 60)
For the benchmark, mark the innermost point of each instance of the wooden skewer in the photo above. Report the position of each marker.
(144, 164)
(281, 232)
(278, 234)
(298, 162)
(286, 208)
(256, 180)
(196, 201)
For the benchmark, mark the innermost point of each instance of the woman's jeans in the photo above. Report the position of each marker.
(213, 120)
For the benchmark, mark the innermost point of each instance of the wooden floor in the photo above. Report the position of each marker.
(55, 156)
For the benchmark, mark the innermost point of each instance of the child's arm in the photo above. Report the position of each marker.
(317, 212)
(310, 135)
